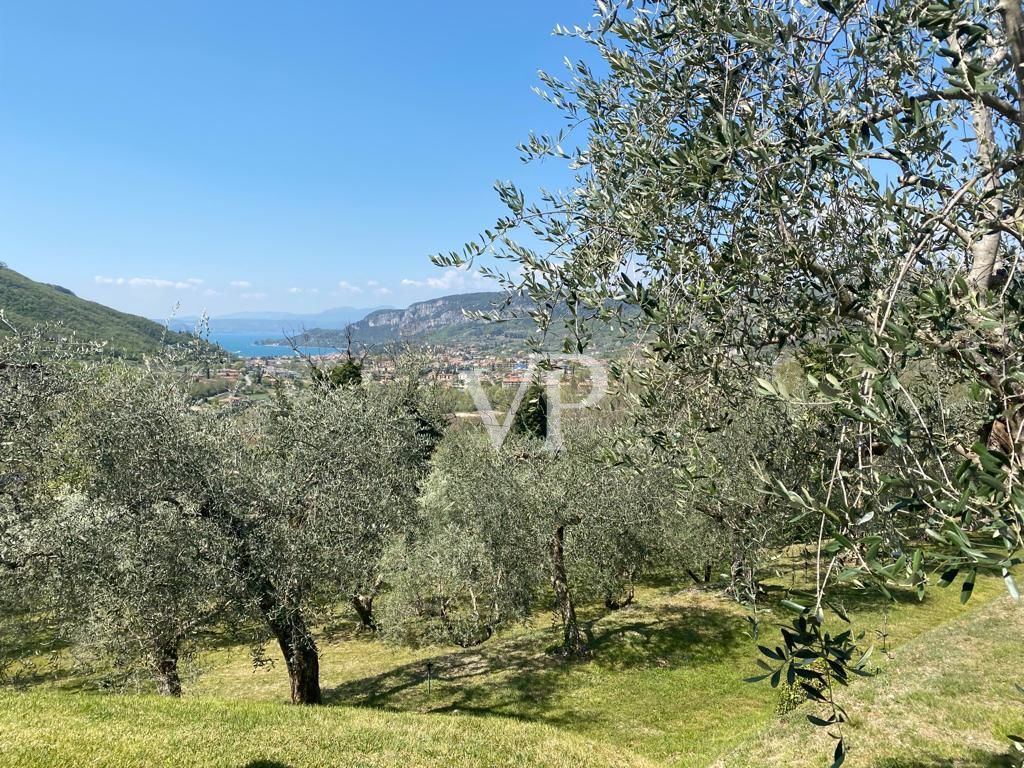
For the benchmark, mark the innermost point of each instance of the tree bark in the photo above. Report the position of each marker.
(165, 665)
(1013, 23)
(285, 622)
(300, 655)
(984, 243)
(573, 641)
(614, 603)
(364, 608)
(743, 582)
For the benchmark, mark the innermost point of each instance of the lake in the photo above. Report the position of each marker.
(244, 344)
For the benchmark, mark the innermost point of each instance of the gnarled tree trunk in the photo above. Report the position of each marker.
(364, 608)
(165, 666)
(614, 603)
(573, 641)
(300, 654)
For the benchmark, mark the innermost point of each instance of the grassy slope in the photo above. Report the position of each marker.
(946, 700)
(54, 730)
(666, 681)
(665, 687)
(27, 303)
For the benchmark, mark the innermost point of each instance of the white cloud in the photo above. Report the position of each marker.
(211, 292)
(241, 284)
(148, 282)
(382, 291)
(451, 280)
(372, 283)
(254, 296)
(346, 286)
(294, 290)
(156, 282)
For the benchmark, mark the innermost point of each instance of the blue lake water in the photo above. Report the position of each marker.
(244, 344)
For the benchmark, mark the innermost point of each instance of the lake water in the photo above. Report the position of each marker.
(244, 344)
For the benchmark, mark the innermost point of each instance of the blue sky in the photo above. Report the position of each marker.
(240, 156)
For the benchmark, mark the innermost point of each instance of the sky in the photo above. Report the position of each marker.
(265, 156)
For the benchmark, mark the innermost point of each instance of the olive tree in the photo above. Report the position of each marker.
(277, 504)
(138, 531)
(516, 519)
(470, 562)
(36, 386)
(755, 178)
(321, 482)
(135, 589)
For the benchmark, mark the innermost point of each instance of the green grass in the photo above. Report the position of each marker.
(946, 699)
(665, 688)
(65, 730)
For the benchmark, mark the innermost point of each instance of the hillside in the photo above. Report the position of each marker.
(445, 321)
(27, 303)
(43, 730)
(945, 699)
(664, 688)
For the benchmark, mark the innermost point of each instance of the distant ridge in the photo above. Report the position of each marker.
(27, 303)
(447, 321)
(276, 323)
(438, 320)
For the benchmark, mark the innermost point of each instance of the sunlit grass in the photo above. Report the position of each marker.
(66, 730)
(666, 680)
(665, 685)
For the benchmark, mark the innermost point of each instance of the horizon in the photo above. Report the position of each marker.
(158, 158)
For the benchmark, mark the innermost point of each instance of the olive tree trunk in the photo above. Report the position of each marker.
(300, 655)
(165, 666)
(573, 641)
(364, 608)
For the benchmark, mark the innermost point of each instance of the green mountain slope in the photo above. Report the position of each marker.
(26, 304)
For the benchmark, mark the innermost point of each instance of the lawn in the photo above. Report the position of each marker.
(664, 688)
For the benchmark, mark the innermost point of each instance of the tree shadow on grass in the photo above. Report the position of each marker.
(265, 764)
(668, 636)
(974, 759)
(519, 677)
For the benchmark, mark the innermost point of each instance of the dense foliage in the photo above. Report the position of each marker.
(807, 214)
(137, 524)
(833, 183)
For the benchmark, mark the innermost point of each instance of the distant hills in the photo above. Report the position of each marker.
(27, 303)
(436, 321)
(275, 323)
(444, 322)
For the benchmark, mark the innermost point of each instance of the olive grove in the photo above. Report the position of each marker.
(835, 183)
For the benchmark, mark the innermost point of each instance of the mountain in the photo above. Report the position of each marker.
(437, 321)
(27, 303)
(423, 320)
(276, 322)
(444, 322)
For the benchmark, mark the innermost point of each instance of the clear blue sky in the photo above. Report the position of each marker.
(264, 155)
